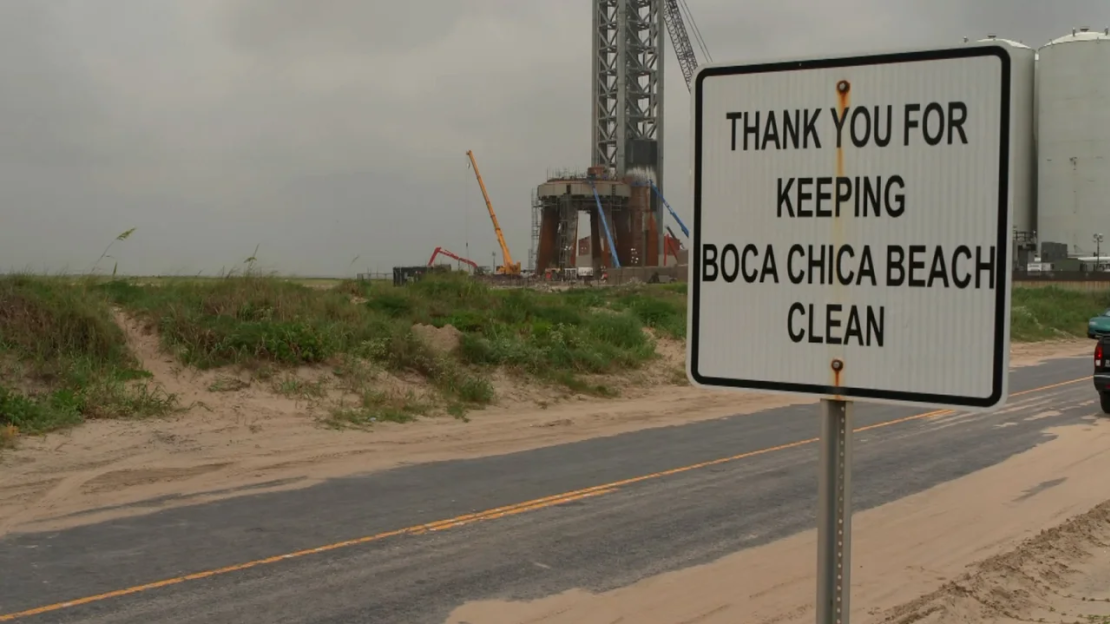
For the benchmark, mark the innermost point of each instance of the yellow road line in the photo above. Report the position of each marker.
(489, 514)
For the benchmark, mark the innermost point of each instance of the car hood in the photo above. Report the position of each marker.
(1099, 322)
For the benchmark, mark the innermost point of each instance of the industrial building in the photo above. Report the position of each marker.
(1073, 145)
(1061, 192)
(676, 251)
(622, 229)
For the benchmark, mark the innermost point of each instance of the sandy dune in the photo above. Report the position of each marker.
(250, 440)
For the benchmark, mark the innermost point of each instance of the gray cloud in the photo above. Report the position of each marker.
(291, 27)
(50, 106)
(326, 129)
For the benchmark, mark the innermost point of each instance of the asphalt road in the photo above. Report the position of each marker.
(597, 514)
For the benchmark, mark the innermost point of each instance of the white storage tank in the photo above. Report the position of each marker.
(1036, 149)
(1073, 143)
(1023, 172)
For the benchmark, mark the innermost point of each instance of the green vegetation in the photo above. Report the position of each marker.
(1051, 313)
(555, 336)
(64, 359)
(70, 360)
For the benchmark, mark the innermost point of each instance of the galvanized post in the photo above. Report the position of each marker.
(834, 513)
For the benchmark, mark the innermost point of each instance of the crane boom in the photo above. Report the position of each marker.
(508, 266)
(440, 251)
(683, 49)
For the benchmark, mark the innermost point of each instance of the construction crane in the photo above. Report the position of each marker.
(440, 251)
(673, 16)
(508, 267)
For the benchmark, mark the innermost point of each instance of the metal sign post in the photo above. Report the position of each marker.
(834, 513)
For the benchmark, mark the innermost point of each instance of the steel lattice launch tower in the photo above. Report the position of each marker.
(627, 130)
(626, 151)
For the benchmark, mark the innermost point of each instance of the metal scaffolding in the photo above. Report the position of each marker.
(627, 133)
(627, 84)
(537, 209)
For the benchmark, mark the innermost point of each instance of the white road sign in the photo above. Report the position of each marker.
(852, 226)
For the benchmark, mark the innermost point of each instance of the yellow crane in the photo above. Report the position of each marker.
(508, 267)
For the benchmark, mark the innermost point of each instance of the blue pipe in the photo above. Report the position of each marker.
(605, 225)
(671, 210)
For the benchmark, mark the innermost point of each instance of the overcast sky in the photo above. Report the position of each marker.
(325, 130)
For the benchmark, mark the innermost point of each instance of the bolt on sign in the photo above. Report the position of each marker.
(857, 210)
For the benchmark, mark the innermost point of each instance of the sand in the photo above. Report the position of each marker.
(910, 558)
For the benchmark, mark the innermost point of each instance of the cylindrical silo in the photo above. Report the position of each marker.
(1023, 159)
(1036, 141)
(1073, 144)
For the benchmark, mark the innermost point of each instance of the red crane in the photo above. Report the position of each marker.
(440, 251)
